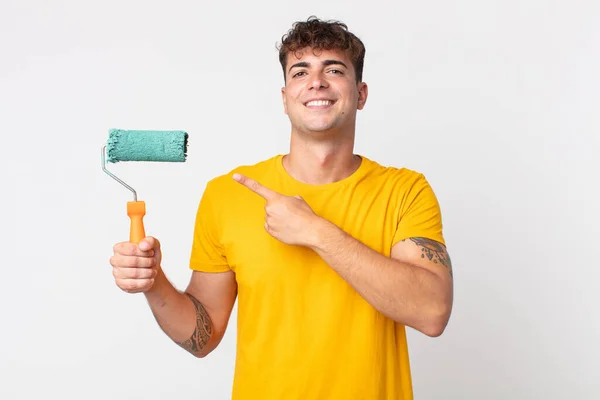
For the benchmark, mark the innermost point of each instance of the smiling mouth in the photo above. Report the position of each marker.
(319, 103)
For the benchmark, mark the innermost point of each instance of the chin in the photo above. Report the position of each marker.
(321, 126)
(318, 132)
(317, 127)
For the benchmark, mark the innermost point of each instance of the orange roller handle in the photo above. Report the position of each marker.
(136, 211)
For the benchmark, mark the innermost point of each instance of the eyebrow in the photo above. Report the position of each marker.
(325, 63)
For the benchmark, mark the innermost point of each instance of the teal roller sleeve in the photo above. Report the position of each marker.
(130, 145)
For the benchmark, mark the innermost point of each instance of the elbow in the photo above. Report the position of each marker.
(437, 321)
(438, 314)
(210, 345)
(198, 351)
(434, 329)
(206, 350)
(432, 323)
(201, 353)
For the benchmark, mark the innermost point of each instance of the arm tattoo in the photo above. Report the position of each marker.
(203, 330)
(434, 251)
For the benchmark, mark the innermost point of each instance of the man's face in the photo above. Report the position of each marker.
(321, 93)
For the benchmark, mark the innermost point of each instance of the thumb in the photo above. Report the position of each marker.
(149, 243)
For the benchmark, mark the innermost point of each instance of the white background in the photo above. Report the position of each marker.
(496, 102)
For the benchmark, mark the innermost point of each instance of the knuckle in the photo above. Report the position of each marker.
(145, 273)
(123, 248)
(132, 262)
(131, 249)
(130, 275)
(126, 262)
(135, 273)
(141, 262)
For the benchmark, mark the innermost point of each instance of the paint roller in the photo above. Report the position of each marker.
(142, 145)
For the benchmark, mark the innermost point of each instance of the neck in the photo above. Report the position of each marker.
(323, 161)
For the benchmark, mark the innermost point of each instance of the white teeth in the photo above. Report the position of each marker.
(317, 103)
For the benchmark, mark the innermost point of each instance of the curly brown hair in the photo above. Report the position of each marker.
(318, 34)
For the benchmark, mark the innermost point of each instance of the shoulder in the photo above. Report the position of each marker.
(399, 177)
(408, 187)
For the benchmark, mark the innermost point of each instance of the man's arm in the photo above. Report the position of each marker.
(196, 319)
(413, 287)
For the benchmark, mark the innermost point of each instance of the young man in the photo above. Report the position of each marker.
(330, 254)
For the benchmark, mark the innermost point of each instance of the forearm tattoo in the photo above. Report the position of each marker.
(434, 252)
(203, 330)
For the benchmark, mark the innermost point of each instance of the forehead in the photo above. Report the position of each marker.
(316, 56)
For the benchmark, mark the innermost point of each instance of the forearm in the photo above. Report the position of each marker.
(182, 317)
(408, 294)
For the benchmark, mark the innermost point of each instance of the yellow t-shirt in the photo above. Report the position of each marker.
(303, 332)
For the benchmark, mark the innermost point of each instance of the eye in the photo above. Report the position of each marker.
(298, 74)
(336, 71)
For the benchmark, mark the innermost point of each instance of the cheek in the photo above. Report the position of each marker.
(292, 93)
(295, 104)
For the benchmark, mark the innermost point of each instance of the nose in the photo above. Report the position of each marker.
(318, 81)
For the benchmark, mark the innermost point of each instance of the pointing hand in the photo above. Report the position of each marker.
(288, 219)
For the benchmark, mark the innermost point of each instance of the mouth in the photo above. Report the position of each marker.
(321, 103)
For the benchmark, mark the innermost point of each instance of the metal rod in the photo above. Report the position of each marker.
(113, 176)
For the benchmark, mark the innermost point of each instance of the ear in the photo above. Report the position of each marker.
(363, 93)
(284, 101)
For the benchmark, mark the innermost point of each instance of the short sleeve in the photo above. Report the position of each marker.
(207, 254)
(420, 214)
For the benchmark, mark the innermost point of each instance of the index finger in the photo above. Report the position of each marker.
(256, 187)
(131, 249)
